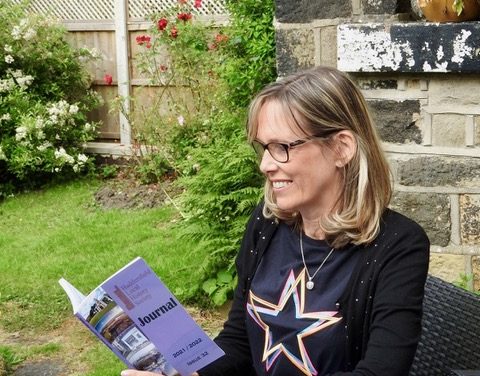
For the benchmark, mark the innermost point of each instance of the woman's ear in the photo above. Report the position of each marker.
(346, 147)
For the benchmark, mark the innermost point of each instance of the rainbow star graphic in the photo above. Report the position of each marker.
(257, 306)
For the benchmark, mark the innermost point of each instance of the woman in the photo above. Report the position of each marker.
(330, 281)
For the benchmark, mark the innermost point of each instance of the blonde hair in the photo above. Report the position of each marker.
(321, 102)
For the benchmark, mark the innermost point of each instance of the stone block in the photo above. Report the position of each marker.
(366, 84)
(3, 367)
(45, 367)
(429, 210)
(395, 120)
(454, 93)
(379, 6)
(409, 47)
(470, 219)
(476, 273)
(328, 48)
(301, 11)
(448, 130)
(295, 50)
(439, 171)
(447, 267)
(477, 130)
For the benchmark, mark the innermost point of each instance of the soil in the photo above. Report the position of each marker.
(126, 192)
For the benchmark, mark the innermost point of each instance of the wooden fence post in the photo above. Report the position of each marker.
(123, 69)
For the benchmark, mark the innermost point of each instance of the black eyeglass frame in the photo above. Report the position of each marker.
(286, 146)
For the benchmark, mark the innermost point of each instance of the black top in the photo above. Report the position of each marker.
(381, 306)
(294, 330)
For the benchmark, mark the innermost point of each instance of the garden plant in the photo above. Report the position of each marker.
(199, 142)
(198, 131)
(44, 99)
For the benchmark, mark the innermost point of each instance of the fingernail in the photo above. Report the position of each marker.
(125, 373)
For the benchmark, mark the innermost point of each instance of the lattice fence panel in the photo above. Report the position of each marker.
(72, 10)
(142, 8)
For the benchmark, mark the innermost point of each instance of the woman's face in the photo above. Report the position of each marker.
(310, 182)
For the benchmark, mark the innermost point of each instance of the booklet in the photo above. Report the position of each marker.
(142, 322)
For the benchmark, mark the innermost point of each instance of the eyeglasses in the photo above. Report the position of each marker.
(278, 151)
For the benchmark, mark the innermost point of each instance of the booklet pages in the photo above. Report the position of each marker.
(141, 321)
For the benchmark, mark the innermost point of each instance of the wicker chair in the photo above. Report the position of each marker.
(451, 332)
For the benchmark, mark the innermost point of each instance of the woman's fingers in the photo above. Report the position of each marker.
(132, 372)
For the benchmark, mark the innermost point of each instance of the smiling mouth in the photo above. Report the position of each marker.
(280, 184)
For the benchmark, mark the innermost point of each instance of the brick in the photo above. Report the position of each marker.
(395, 120)
(448, 130)
(470, 219)
(447, 267)
(429, 210)
(301, 11)
(439, 171)
(295, 50)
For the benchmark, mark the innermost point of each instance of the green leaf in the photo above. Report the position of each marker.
(209, 286)
(457, 7)
(220, 297)
(224, 277)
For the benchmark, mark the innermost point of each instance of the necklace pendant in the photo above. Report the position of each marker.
(310, 285)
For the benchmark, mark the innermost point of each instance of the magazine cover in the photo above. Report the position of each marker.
(143, 323)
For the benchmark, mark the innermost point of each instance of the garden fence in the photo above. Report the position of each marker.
(110, 27)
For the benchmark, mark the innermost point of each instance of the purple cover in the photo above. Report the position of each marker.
(160, 317)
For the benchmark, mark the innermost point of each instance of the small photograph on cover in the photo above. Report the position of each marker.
(111, 322)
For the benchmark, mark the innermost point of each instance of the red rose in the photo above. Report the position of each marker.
(143, 39)
(219, 38)
(174, 32)
(198, 4)
(162, 24)
(108, 79)
(184, 16)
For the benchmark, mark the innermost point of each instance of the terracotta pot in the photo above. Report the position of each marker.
(442, 10)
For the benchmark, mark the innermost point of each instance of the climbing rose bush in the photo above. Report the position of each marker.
(44, 100)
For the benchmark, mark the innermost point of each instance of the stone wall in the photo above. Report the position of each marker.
(422, 82)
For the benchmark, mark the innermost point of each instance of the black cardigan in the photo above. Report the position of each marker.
(382, 305)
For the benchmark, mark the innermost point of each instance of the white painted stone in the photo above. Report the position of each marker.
(370, 51)
(460, 48)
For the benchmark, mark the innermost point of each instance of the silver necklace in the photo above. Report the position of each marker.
(310, 284)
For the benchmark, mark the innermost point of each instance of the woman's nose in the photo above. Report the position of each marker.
(267, 164)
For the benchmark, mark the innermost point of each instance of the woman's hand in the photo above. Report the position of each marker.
(132, 372)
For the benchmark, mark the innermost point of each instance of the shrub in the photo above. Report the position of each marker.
(44, 99)
(179, 57)
(202, 131)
